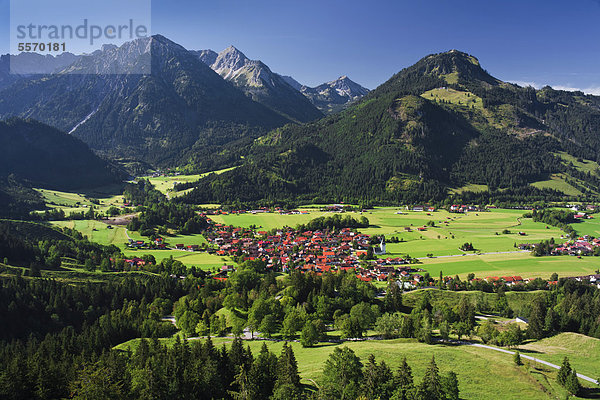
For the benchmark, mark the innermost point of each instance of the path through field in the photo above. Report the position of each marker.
(587, 378)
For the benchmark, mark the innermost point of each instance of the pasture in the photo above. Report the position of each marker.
(557, 182)
(75, 202)
(98, 232)
(583, 351)
(165, 184)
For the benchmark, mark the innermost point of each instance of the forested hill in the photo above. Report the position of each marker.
(45, 157)
(442, 123)
(35, 155)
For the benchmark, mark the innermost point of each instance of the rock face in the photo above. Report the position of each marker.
(257, 80)
(179, 111)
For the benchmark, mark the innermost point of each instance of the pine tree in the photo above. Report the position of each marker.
(404, 378)
(431, 386)
(263, 373)
(564, 372)
(244, 391)
(342, 374)
(393, 298)
(287, 367)
(572, 384)
(537, 319)
(450, 386)
(517, 358)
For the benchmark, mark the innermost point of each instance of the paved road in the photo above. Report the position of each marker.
(587, 378)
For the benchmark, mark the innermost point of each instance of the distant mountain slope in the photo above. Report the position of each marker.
(260, 83)
(180, 113)
(336, 95)
(439, 124)
(292, 82)
(27, 64)
(41, 156)
(330, 97)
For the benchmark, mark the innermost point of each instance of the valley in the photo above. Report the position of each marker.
(215, 229)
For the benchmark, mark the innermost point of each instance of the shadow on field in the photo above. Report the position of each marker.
(589, 393)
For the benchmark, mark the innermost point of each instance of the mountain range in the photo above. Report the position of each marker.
(440, 126)
(179, 112)
(331, 97)
(280, 92)
(26, 65)
(258, 82)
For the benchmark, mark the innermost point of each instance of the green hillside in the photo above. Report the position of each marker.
(441, 123)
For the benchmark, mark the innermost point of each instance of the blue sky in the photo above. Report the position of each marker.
(538, 42)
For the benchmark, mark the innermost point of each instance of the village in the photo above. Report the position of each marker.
(310, 251)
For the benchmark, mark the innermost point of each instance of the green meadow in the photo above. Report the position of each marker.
(165, 184)
(455, 97)
(268, 221)
(588, 226)
(557, 182)
(583, 352)
(523, 264)
(98, 232)
(76, 202)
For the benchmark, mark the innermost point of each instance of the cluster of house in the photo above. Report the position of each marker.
(582, 216)
(307, 251)
(461, 208)
(135, 262)
(580, 207)
(508, 280)
(591, 279)
(580, 247)
(423, 208)
(159, 244)
(262, 210)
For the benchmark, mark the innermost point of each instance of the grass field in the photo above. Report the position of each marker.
(459, 98)
(583, 352)
(165, 184)
(75, 202)
(98, 232)
(472, 187)
(588, 226)
(268, 221)
(523, 264)
(583, 165)
(482, 373)
(557, 182)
